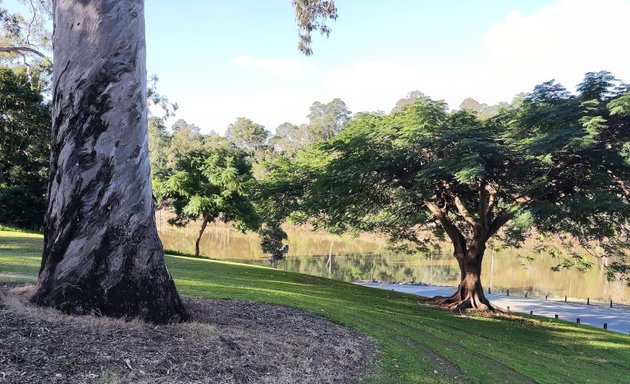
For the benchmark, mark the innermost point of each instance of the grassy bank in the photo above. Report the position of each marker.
(419, 344)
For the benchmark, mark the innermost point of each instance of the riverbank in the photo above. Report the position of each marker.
(418, 343)
(596, 315)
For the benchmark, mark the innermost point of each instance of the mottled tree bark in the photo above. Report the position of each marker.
(102, 253)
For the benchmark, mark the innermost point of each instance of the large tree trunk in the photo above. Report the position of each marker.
(102, 253)
(469, 294)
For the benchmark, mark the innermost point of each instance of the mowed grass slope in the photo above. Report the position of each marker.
(419, 344)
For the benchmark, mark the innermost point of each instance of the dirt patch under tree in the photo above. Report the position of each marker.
(228, 341)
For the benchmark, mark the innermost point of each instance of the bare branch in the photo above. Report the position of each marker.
(21, 50)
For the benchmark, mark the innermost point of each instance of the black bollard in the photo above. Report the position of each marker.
(489, 291)
(578, 320)
(556, 316)
(507, 292)
(565, 298)
(605, 325)
(588, 301)
(531, 312)
(610, 303)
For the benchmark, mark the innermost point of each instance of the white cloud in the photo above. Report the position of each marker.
(279, 67)
(562, 41)
(270, 108)
(377, 85)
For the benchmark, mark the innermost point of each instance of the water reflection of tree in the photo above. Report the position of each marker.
(378, 267)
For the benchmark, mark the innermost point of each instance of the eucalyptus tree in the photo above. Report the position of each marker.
(327, 120)
(102, 253)
(245, 133)
(556, 162)
(288, 138)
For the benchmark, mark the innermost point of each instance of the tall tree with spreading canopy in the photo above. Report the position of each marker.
(101, 249)
(554, 162)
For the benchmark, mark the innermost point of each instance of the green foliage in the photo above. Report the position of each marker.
(244, 133)
(327, 120)
(24, 140)
(159, 144)
(211, 183)
(483, 111)
(553, 161)
(26, 36)
(290, 138)
(271, 242)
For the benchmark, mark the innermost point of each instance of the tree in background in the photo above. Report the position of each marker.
(211, 183)
(289, 138)
(327, 120)
(483, 111)
(244, 133)
(312, 15)
(24, 141)
(272, 242)
(554, 162)
(411, 98)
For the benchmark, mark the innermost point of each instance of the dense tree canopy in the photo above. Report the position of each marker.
(244, 133)
(554, 162)
(24, 143)
(210, 183)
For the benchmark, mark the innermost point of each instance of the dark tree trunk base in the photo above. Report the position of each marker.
(458, 303)
(148, 299)
(469, 295)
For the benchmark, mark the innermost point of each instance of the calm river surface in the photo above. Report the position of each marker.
(367, 258)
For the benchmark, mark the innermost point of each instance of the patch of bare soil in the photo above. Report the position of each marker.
(227, 342)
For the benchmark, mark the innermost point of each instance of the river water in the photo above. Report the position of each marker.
(367, 257)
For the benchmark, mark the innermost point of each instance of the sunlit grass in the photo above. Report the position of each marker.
(419, 344)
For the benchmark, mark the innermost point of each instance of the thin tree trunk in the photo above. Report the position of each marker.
(102, 253)
(203, 228)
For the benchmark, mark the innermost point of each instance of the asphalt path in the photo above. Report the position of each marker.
(596, 315)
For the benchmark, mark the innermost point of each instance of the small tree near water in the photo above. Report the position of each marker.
(211, 184)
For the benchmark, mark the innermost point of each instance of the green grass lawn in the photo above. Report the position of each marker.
(419, 344)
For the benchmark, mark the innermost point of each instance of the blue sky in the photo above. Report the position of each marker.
(223, 59)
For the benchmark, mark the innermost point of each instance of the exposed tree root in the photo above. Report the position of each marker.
(456, 303)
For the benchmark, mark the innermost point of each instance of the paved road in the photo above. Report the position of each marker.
(617, 319)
